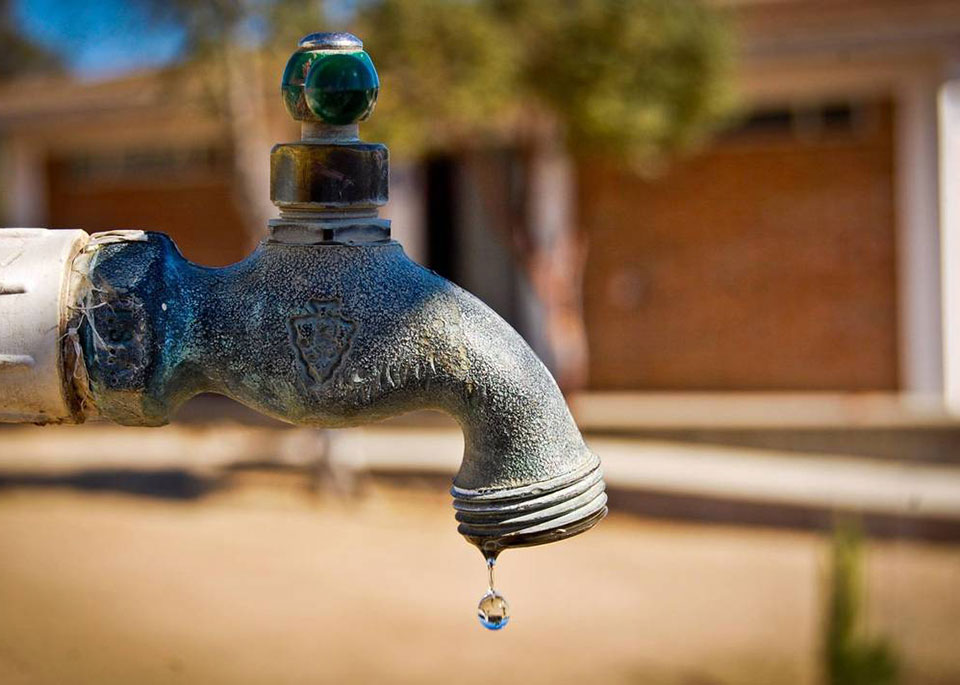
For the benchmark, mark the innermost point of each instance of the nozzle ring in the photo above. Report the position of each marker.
(532, 515)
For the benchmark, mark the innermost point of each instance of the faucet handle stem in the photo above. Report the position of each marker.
(329, 184)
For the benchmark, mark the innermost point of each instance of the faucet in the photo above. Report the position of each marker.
(327, 323)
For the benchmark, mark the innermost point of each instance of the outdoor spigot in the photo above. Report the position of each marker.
(326, 324)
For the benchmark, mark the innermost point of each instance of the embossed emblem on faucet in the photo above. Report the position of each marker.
(321, 334)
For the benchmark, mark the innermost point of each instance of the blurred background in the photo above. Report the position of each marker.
(730, 228)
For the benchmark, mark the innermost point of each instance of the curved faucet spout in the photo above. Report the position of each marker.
(337, 335)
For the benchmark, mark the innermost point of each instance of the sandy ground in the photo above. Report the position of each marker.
(270, 585)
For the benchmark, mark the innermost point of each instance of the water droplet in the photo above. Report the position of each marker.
(493, 610)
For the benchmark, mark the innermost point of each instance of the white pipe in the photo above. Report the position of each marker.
(35, 275)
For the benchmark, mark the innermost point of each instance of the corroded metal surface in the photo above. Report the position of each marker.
(339, 335)
(307, 174)
(329, 324)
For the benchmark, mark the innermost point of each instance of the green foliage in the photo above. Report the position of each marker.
(851, 659)
(638, 77)
(447, 70)
(630, 77)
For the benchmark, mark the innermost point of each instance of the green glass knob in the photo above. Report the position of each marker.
(330, 79)
(341, 88)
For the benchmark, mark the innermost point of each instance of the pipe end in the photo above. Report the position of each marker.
(535, 514)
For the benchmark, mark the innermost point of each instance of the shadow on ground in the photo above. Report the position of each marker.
(172, 484)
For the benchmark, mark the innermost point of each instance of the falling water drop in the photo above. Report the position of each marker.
(493, 610)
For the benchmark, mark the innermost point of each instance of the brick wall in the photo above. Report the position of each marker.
(764, 263)
(185, 193)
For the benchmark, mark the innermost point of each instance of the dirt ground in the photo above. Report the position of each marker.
(270, 585)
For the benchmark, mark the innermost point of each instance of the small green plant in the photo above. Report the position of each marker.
(850, 657)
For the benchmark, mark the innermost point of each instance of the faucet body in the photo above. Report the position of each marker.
(336, 334)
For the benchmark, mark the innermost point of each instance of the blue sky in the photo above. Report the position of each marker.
(103, 38)
(99, 38)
